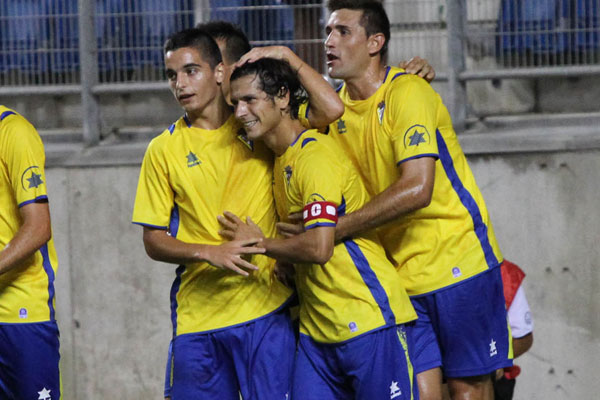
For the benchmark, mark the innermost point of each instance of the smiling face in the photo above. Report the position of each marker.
(193, 82)
(346, 45)
(259, 113)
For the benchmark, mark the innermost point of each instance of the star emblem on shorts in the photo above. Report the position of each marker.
(35, 180)
(44, 394)
(493, 350)
(395, 390)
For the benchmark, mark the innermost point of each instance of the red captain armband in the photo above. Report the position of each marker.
(320, 211)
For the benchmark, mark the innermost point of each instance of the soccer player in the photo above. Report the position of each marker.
(29, 339)
(352, 341)
(399, 135)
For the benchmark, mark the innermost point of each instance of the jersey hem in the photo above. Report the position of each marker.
(150, 225)
(278, 309)
(356, 337)
(441, 289)
(434, 155)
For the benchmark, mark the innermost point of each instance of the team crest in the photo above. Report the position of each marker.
(30, 179)
(288, 174)
(380, 110)
(341, 126)
(244, 139)
(192, 159)
(415, 135)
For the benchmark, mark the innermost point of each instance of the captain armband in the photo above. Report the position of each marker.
(320, 213)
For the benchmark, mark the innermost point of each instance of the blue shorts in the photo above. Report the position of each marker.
(29, 356)
(463, 328)
(375, 365)
(255, 359)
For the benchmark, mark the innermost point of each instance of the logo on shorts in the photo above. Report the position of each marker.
(395, 390)
(353, 327)
(493, 350)
(44, 394)
(23, 313)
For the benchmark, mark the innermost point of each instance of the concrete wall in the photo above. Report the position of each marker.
(113, 301)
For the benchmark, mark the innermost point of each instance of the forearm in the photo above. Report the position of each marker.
(522, 345)
(303, 248)
(23, 246)
(325, 105)
(401, 198)
(162, 247)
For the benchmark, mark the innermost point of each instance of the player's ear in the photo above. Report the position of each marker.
(219, 73)
(375, 43)
(283, 98)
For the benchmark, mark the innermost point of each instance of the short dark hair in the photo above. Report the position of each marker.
(374, 18)
(236, 41)
(198, 39)
(276, 78)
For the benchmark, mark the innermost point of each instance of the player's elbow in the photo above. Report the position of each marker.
(333, 111)
(321, 253)
(151, 245)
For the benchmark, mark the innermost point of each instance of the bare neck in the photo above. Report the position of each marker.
(365, 84)
(280, 138)
(213, 116)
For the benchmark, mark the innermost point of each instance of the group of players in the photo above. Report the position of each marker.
(383, 237)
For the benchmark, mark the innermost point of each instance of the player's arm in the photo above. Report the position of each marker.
(32, 235)
(420, 67)
(312, 246)
(160, 246)
(325, 104)
(522, 345)
(409, 193)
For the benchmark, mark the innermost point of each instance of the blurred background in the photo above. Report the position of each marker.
(520, 77)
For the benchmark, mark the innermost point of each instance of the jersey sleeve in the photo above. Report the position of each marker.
(154, 198)
(24, 156)
(519, 315)
(303, 114)
(319, 180)
(412, 118)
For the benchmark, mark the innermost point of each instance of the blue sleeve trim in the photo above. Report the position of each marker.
(164, 228)
(434, 155)
(6, 114)
(36, 200)
(319, 224)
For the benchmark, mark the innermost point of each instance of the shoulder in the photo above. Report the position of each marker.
(15, 130)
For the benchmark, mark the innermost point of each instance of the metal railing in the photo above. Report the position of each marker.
(54, 47)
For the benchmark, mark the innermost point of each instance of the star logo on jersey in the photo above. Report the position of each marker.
(30, 179)
(341, 126)
(244, 139)
(493, 350)
(288, 174)
(415, 135)
(192, 160)
(395, 390)
(380, 110)
(44, 394)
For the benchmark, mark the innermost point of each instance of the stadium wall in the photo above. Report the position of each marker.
(113, 301)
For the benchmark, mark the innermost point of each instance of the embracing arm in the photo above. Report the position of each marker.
(409, 193)
(162, 247)
(325, 104)
(313, 246)
(32, 235)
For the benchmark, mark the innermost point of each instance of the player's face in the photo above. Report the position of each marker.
(193, 82)
(253, 107)
(346, 44)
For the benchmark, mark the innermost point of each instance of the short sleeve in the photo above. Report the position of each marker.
(412, 118)
(154, 198)
(319, 181)
(519, 315)
(23, 154)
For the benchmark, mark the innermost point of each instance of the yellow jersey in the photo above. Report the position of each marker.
(189, 176)
(450, 240)
(26, 291)
(358, 290)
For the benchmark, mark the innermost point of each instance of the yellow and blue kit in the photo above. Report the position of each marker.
(452, 239)
(29, 345)
(189, 176)
(353, 298)
(445, 251)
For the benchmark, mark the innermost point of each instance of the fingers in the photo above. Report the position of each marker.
(296, 217)
(289, 230)
(227, 234)
(245, 264)
(251, 250)
(247, 242)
